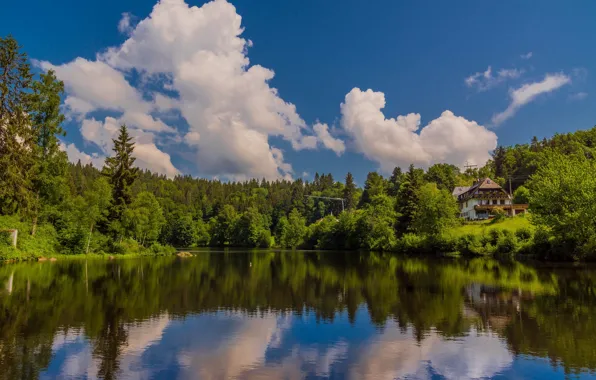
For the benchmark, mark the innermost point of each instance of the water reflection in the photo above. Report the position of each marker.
(268, 315)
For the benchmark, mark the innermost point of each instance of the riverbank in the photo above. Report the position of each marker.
(504, 238)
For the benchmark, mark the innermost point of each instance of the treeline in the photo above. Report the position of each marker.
(75, 208)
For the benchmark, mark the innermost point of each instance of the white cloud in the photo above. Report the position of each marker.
(336, 145)
(486, 80)
(74, 155)
(94, 85)
(148, 155)
(125, 23)
(528, 92)
(528, 55)
(395, 142)
(578, 96)
(228, 103)
(394, 354)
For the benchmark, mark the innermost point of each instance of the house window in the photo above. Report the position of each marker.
(494, 201)
(502, 201)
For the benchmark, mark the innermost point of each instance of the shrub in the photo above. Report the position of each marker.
(507, 243)
(410, 243)
(524, 234)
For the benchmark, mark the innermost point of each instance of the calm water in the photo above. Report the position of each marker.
(266, 315)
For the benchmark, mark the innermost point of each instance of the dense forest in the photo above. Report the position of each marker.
(63, 207)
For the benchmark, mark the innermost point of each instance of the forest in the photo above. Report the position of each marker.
(70, 208)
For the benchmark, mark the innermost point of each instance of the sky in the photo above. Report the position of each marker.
(240, 89)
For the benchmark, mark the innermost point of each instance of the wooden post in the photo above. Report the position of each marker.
(13, 237)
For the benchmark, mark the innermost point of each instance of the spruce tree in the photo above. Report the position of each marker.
(407, 198)
(395, 181)
(349, 191)
(17, 140)
(374, 185)
(50, 181)
(121, 173)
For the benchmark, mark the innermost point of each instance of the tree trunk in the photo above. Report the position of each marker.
(34, 226)
(89, 240)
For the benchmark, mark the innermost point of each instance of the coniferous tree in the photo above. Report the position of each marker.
(50, 181)
(407, 199)
(17, 140)
(349, 192)
(395, 181)
(121, 172)
(373, 186)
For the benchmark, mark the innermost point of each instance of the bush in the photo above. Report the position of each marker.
(507, 243)
(158, 249)
(5, 238)
(265, 239)
(524, 234)
(409, 243)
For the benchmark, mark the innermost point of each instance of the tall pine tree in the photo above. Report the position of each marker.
(395, 181)
(50, 185)
(349, 192)
(121, 173)
(407, 198)
(17, 140)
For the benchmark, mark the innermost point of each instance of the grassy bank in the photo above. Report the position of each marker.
(505, 237)
(47, 244)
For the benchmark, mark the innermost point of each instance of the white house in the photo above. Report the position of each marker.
(477, 201)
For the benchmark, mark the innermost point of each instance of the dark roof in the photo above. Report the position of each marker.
(484, 184)
(460, 190)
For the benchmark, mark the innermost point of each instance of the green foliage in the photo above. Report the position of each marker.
(292, 230)
(563, 200)
(521, 195)
(436, 210)
(121, 173)
(143, 219)
(184, 233)
(349, 193)
(374, 185)
(375, 226)
(443, 175)
(407, 198)
(17, 138)
(77, 210)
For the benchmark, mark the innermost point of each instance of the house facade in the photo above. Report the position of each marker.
(482, 198)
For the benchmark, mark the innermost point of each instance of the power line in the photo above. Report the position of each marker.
(329, 198)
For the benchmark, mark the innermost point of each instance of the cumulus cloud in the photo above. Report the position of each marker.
(75, 155)
(197, 60)
(399, 142)
(486, 80)
(528, 55)
(148, 155)
(330, 142)
(230, 107)
(529, 92)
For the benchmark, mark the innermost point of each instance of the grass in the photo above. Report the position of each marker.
(483, 227)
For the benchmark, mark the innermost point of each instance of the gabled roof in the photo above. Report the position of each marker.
(485, 184)
(460, 190)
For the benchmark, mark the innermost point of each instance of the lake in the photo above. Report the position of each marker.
(294, 315)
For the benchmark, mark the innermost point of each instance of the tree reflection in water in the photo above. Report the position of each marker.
(226, 311)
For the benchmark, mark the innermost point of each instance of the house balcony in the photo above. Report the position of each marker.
(510, 210)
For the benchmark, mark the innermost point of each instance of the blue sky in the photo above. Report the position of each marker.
(227, 122)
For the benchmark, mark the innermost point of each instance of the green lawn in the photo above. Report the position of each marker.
(483, 227)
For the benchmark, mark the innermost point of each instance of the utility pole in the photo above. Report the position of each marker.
(469, 166)
(329, 198)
